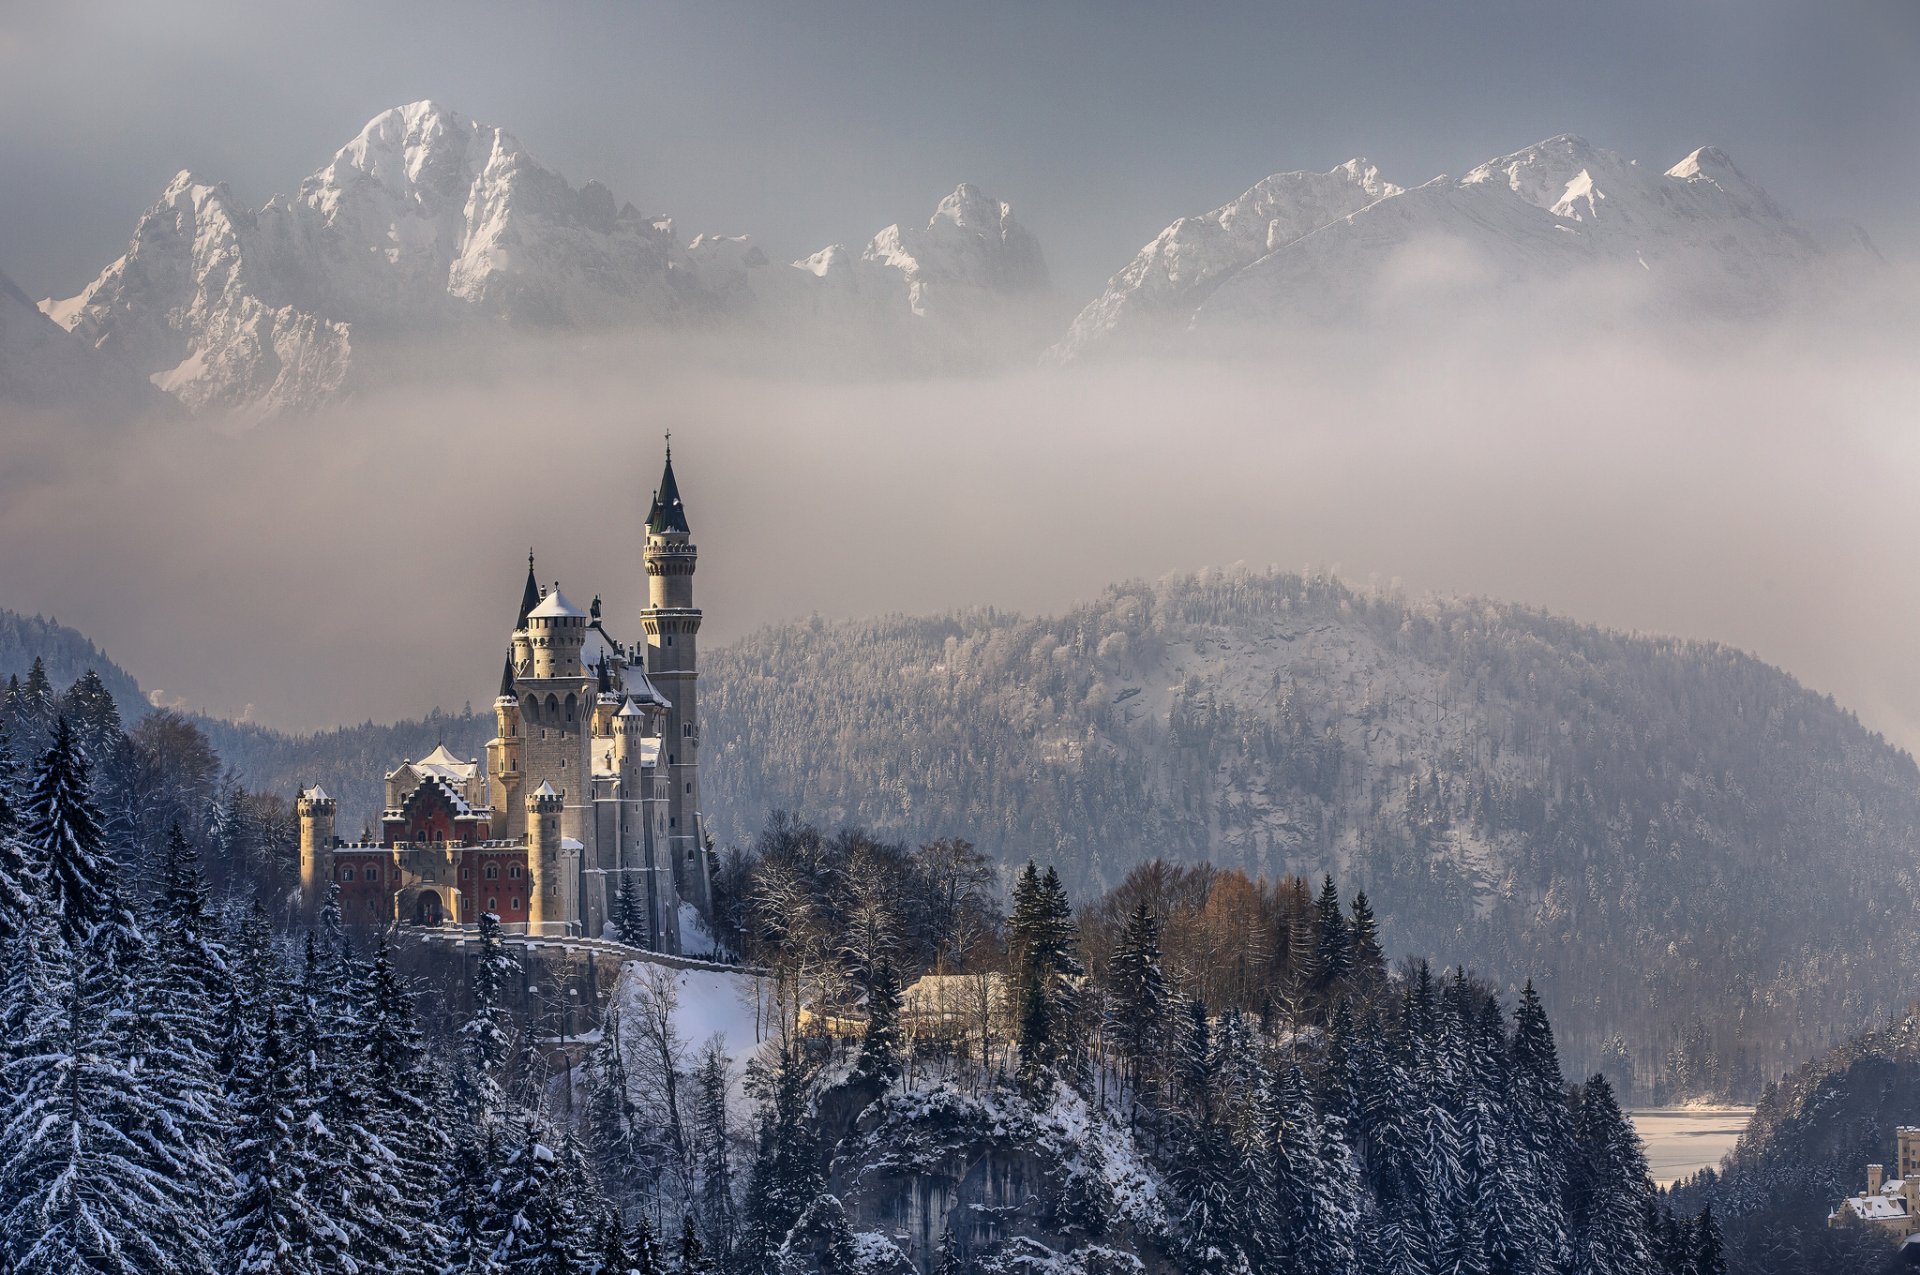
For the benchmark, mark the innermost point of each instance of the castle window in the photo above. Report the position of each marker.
(346, 874)
(514, 904)
(689, 785)
(466, 874)
(686, 730)
(553, 707)
(669, 639)
(493, 872)
(493, 905)
(570, 705)
(514, 872)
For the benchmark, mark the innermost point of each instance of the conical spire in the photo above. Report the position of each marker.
(506, 674)
(668, 514)
(530, 596)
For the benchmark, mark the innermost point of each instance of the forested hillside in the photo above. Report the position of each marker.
(1807, 1148)
(1707, 867)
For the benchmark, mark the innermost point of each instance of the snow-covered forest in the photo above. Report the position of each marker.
(191, 1086)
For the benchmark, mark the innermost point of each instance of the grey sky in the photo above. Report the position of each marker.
(806, 124)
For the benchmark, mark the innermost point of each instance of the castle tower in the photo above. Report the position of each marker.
(505, 771)
(672, 623)
(553, 871)
(315, 810)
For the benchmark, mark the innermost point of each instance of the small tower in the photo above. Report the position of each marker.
(315, 810)
(546, 911)
(672, 623)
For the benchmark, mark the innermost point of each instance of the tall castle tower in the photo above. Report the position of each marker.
(315, 810)
(672, 623)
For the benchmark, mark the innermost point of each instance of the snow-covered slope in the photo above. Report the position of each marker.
(1160, 287)
(427, 221)
(45, 368)
(1699, 237)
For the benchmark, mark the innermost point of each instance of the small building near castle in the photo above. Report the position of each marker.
(586, 809)
(1892, 1203)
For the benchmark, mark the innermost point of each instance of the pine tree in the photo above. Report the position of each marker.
(714, 1152)
(19, 867)
(1708, 1255)
(95, 718)
(400, 1118)
(1366, 961)
(83, 1185)
(693, 1254)
(533, 1218)
(484, 1041)
(1612, 1194)
(880, 1045)
(64, 826)
(630, 914)
(1331, 946)
(1140, 999)
(786, 1171)
(271, 1227)
(948, 1262)
(1543, 1132)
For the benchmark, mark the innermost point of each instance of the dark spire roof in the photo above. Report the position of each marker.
(506, 676)
(605, 679)
(668, 514)
(530, 596)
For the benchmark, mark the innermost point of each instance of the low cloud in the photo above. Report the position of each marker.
(1746, 482)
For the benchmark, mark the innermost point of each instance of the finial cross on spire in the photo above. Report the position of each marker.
(669, 444)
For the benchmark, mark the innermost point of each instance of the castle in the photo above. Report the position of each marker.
(1890, 1203)
(588, 807)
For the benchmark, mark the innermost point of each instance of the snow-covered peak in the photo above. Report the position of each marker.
(416, 147)
(1708, 161)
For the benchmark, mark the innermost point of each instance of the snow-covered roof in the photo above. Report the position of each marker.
(1876, 1208)
(641, 687)
(442, 764)
(631, 709)
(555, 606)
(315, 793)
(545, 789)
(598, 648)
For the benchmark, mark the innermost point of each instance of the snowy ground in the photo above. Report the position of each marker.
(1683, 1140)
(732, 1005)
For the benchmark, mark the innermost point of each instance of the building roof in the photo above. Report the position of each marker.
(641, 687)
(598, 647)
(556, 606)
(668, 513)
(1876, 1208)
(441, 764)
(529, 596)
(506, 677)
(315, 793)
(545, 789)
(630, 709)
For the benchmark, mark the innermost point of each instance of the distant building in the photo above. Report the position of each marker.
(1890, 1203)
(589, 798)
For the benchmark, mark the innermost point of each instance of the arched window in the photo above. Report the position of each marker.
(514, 904)
(493, 905)
(493, 872)
(570, 705)
(514, 872)
(532, 709)
(553, 708)
(346, 874)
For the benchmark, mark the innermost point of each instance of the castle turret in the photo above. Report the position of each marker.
(672, 623)
(315, 810)
(544, 868)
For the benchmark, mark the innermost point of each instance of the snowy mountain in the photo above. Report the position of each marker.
(45, 368)
(1347, 247)
(1523, 793)
(428, 222)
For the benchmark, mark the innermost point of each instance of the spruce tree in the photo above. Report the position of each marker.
(1543, 1132)
(880, 1044)
(1138, 1017)
(1366, 961)
(270, 1227)
(1708, 1249)
(19, 866)
(400, 1119)
(65, 828)
(630, 913)
(786, 1171)
(484, 1040)
(84, 1185)
(1612, 1195)
(1331, 946)
(714, 1150)
(693, 1254)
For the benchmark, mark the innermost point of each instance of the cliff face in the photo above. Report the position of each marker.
(1022, 1185)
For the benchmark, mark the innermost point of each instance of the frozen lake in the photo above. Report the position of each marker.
(1681, 1140)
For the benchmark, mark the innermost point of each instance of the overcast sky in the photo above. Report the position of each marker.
(806, 124)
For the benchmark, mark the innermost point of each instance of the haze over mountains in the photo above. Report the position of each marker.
(431, 226)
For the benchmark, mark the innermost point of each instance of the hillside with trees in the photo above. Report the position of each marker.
(1705, 866)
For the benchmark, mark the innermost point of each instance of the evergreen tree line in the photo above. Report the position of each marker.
(1335, 1116)
(185, 1091)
